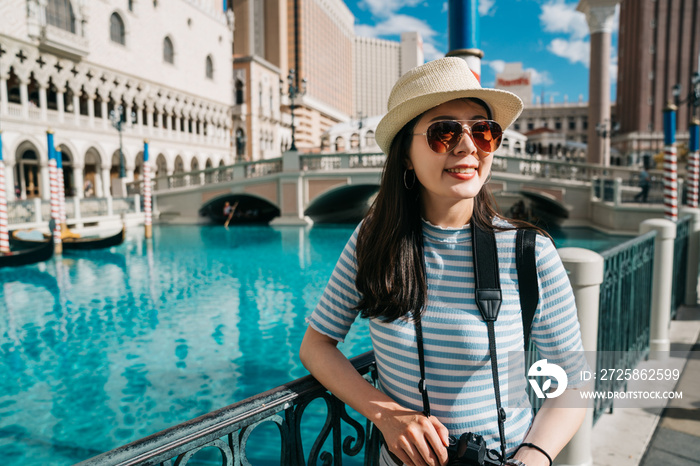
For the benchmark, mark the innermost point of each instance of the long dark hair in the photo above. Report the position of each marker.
(390, 265)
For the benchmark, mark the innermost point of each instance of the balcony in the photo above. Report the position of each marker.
(60, 42)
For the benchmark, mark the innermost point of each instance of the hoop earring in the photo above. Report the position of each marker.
(405, 179)
(488, 178)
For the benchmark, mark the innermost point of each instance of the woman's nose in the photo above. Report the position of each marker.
(466, 145)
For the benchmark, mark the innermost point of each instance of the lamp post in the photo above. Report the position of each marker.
(118, 118)
(693, 97)
(360, 122)
(294, 91)
(605, 129)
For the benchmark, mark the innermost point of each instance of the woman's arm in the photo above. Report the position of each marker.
(415, 439)
(554, 425)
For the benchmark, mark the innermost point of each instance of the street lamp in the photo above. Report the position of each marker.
(294, 91)
(693, 97)
(118, 118)
(360, 121)
(605, 129)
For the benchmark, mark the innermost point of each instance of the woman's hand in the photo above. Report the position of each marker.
(415, 439)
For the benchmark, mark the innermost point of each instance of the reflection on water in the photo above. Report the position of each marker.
(100, 348)
(104, 347)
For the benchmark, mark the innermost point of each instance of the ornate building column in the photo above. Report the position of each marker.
(600, 16)
(4, 76)
(24, 93)
(91, 108)
(149, 117)
(78, 181)
(106, 183)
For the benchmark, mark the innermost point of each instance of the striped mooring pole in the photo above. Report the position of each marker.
(670, 164)
(53, 188)
(61, 190)
(4, 235)
(147, 210)
(694, 163)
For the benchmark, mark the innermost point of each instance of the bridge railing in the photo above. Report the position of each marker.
(229, 429)
(341, 160)
(680, 263)
(237, 171)
(624, 310)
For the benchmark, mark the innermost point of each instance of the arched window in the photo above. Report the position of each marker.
(240, 96)
(369, 138)
(168, 52)
(59, 13)
(131, 5)
(209, 67)
(116, 29)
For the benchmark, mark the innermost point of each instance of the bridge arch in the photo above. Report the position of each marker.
(343, 204)
(250, 209)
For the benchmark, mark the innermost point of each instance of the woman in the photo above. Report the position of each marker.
(412, 254)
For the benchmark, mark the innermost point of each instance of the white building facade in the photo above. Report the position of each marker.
(378, 64)
(66, 65)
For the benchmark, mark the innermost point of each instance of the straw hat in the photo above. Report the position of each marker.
(435, 83)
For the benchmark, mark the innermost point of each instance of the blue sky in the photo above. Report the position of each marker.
(549, 37)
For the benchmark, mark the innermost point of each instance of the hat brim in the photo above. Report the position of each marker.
(505, 108)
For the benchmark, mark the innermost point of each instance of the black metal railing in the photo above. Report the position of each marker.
(625, 310)
(225, 433)
(680, 264)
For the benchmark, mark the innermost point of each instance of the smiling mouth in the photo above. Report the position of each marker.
(460, 170)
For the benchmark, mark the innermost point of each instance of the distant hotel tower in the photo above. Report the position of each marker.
(659, 43)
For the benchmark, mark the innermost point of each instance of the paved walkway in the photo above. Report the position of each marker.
(667, 436)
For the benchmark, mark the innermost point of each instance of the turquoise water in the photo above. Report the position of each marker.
(100, 348)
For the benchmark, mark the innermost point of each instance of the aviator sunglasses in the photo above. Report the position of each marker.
(444, 135)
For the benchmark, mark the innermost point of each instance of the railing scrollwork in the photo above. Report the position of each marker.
(229, 430)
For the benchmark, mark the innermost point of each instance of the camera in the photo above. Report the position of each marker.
(470, 450)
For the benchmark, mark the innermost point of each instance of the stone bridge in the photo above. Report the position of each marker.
(299, 189)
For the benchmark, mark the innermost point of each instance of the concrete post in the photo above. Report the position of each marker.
(662, 283)
(691, 284)
(595, 181)
(617, 191)
(290, 161)
(77, 215)
(110, 207)
(37, 210)
(585, 270)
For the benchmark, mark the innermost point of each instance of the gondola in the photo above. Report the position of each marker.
(77, 244)
(38, 251)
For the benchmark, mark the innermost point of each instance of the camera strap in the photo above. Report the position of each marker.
(488, 300)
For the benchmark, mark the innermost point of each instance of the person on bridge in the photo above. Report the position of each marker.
(410, 262)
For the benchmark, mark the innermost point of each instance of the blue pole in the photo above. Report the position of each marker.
(693, 146)
(670, 125)
(1, 146)
(463, 33)
(49, 141)
(145, 151)
(463, 24)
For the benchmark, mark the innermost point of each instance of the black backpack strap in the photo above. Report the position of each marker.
(488, 300)
(525, 243)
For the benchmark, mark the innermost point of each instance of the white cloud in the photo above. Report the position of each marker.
(576, 51)
(559, 17)
(384, 8)
(395, 25)
(540, 77)
(430, 52)
(486, 7)
(496, 65)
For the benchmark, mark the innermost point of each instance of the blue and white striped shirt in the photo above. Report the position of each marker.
(457, 364)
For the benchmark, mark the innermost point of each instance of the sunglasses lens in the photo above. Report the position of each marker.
(443, 136)
(487, 135)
